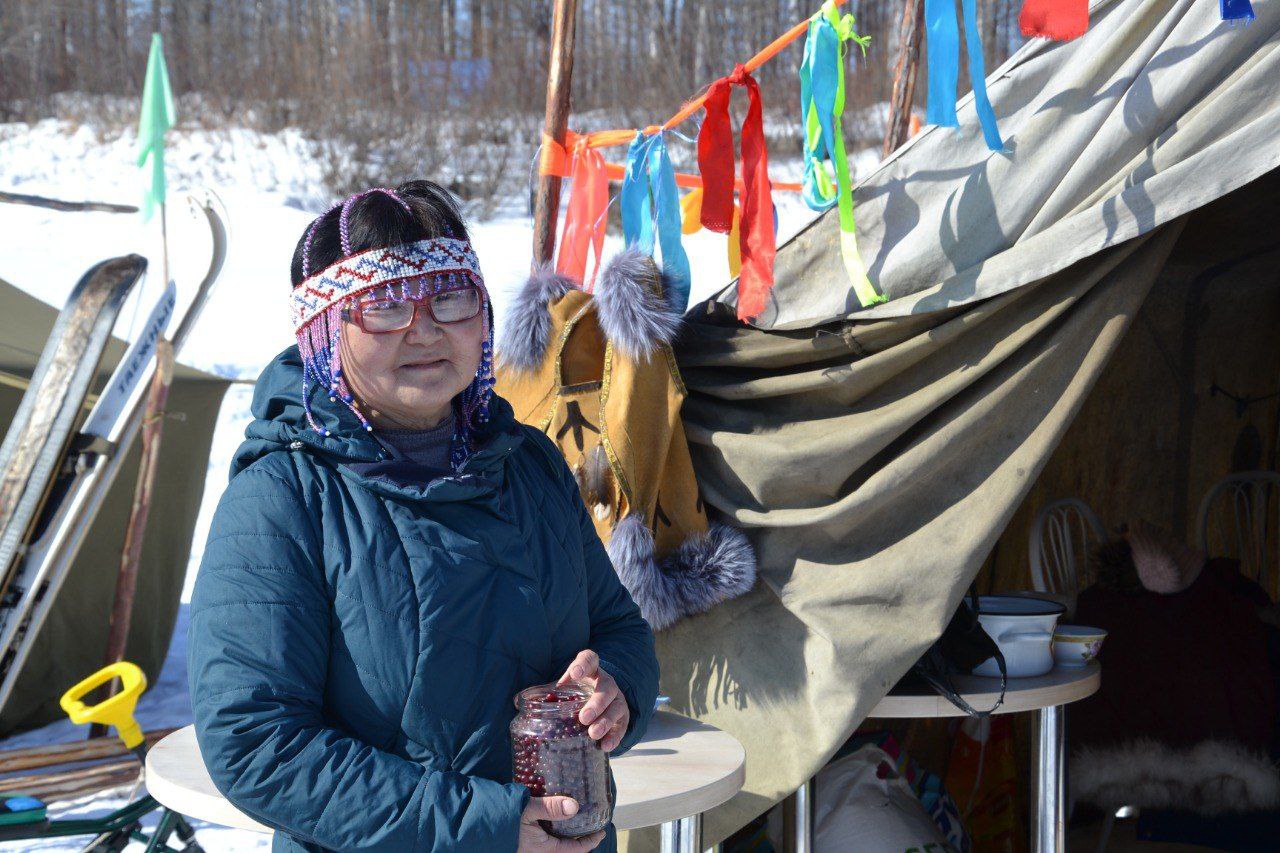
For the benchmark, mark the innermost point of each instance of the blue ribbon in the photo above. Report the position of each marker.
(943, 32)
(650, 206)
(819, 80)
(1236, 10)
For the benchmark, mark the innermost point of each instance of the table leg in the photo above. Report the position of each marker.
(682, 836)
(1050, 819)
(797, 820)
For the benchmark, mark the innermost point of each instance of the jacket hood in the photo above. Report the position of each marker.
(279, 420)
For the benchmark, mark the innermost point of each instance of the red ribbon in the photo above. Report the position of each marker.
(1060, 20)
(715, 161)
(584, 221)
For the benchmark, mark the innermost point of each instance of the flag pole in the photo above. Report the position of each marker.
(164, 244)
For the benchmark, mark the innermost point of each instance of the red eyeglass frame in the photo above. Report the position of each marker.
(354, 314)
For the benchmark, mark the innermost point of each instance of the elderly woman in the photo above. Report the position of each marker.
(394, 559)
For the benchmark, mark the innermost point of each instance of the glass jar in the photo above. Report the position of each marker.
(552, 755)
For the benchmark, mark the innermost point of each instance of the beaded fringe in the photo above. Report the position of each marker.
(319, 345)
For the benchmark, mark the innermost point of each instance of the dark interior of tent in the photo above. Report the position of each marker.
(1191, 396)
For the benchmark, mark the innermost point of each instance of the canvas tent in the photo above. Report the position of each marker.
(875, 457)
(73, 640)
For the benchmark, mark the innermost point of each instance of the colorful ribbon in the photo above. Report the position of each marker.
(651, 207)
(1236, 10)
(691, 223)
(584, 221)
(716, 162)
(1060, 20)
(822, 96)
(944, 67)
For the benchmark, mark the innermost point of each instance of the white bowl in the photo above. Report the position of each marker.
(1076, 645)
(1023, 629)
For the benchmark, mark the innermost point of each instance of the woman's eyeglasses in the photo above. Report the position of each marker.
(379, 315)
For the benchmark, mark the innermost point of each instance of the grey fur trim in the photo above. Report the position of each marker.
(706, 569)
(1210, 778)
(526, 330)
(632, 306)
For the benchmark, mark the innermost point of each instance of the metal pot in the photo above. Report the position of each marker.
(1023, 629)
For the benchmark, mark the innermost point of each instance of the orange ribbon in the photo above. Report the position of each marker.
(585, 220)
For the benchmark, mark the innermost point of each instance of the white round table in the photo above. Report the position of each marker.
(1045, 695)
(679, 770)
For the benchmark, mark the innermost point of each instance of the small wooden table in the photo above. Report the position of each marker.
(1045, 695)
(679, 770)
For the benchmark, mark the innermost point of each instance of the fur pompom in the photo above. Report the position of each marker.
(708, 568)
(526, 330)
(595, 480)
(1210, 778)
(632, 306)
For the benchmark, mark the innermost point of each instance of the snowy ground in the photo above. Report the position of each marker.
(272, 189)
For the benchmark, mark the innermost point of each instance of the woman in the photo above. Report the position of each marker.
(394, 559)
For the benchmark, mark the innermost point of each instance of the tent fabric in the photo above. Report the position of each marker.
(875, 459)
(1160, 108)
(73, 640)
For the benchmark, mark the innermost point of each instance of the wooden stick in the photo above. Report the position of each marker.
(68, 784)
(51, 755)
(127, 579)
(70, 206)
(904, 76)
(546, 207)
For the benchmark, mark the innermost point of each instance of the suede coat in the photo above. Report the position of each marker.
(360, 626)
(596, 373)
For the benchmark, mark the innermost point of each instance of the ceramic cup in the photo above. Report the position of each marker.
(1076, 645)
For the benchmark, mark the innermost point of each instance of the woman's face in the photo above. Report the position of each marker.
(407, 379)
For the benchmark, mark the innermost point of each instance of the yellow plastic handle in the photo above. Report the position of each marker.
(116, 711)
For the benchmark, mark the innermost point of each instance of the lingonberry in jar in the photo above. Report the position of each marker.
(553, 755)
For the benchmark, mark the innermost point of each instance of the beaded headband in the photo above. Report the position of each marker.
(411, 271)
(358, 273)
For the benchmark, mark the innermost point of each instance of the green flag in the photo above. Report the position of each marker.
(157, 117)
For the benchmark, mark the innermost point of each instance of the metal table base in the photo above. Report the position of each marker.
(682, 836)
(1049, 815)
(1049, 820)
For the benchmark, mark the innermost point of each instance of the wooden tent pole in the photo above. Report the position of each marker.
(127, 579)
(904, 75)
(559, 78)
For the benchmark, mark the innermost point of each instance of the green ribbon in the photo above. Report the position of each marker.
(822, 97)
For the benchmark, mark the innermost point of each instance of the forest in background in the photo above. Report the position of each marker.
(385, 86)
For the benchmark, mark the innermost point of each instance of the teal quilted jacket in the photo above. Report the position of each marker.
(360, 626)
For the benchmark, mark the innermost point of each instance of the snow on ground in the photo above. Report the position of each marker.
(271, 188)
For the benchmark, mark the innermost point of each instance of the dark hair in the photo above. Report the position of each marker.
(377, 221)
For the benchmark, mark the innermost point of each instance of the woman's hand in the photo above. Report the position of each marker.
(534, 839)
(606, 714)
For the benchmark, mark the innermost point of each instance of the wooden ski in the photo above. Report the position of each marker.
(42, 427)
